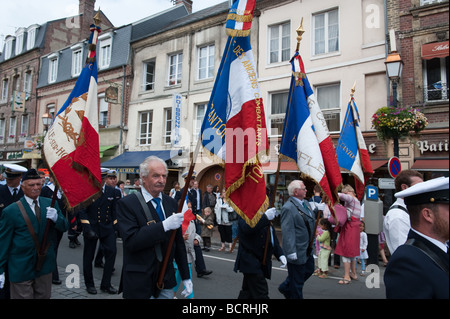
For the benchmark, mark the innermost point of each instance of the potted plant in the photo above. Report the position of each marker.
(398, 122)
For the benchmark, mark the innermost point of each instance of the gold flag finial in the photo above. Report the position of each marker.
(97, 19)
(300, 32)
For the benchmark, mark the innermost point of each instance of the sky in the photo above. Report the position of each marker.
(23, 13)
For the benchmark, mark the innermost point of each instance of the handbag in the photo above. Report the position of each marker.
(40, 254)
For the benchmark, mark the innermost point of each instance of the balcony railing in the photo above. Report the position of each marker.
(436, 92)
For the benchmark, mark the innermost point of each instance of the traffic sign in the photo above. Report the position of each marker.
(371, 192)
(394, 166)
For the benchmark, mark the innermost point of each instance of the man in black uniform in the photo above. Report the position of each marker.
(99, 221)
(10, 193)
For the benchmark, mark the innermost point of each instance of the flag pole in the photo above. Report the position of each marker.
(159, 283)
(300, 32)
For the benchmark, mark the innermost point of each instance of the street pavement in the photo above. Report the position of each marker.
(223, 283)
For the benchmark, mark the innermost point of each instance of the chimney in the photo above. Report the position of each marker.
(87, 12)
(187, 4)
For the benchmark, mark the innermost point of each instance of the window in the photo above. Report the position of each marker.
(27, 82)
(24, 126)
(19, 40)
(149, 76)
(280, 42)
(103, 107)
(12, 130)
(105, 50)
(8, 46)
(278, 112)
(326, 32)
(328, 97)
(5, 85)
(206, 62)
(31, 36)
(2, 131)
(436, 79)
(52, 68)
(168, 125)
(200, 114)
(145, 125)
(77, 59)
(175, 66)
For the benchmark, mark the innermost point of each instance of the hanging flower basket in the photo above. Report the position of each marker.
(400, 122)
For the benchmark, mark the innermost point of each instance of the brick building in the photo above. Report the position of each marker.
(20, 64)
(422, 33)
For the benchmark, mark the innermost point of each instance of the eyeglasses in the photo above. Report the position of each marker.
(302, 189)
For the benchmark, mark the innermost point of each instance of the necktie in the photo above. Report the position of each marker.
(14, 193)
(37, 210)
(157, 201)
(307, 209)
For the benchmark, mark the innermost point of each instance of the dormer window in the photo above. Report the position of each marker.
(9, 46)
(77, 59)
(105, 49)
(20, 34)
(31, 36)
(52, 67)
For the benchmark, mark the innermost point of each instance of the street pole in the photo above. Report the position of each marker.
(394, 104)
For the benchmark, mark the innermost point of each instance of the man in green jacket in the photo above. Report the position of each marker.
(17, 247)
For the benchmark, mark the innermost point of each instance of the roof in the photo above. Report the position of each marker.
(120, 55)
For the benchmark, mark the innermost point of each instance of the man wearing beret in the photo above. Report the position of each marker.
(419, 268)
(17, 247)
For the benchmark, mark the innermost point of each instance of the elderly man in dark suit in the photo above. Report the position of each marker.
(419, 268)
(250, 258)
(146, 236)
(297, 228)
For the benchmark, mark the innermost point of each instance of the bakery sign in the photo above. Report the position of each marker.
(425, 146)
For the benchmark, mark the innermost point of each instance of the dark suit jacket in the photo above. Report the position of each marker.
(251, 248)
(100, 216)
(412, 274)
(6, 198)
(139, 270)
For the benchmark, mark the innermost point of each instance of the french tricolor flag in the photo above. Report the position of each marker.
(306, 138)
(240, 17)
(234, 128)
(71, 145)
(352, 153)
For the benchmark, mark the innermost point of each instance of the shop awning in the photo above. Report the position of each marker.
(377, 163)
(107, 150)
(431, 165)
(435, 50)
(129, 162)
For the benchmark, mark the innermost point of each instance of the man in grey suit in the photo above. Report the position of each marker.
(297, 228)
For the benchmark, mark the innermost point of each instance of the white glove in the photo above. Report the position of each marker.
(52, 214)
(2, 280)
(173, 222)
(283, 261)
(271, 213)
(292, 256)
(188, 288)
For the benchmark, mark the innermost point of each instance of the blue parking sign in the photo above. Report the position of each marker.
(372, 192)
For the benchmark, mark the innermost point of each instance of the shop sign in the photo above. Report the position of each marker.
(425, 146)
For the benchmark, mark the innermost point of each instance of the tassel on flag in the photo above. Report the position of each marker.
(306, 139)
(352, 153)
(234, 127)
(71, 146)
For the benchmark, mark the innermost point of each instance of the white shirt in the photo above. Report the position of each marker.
(148, 197)
(396, 226)
(438, 243)
(31, 203)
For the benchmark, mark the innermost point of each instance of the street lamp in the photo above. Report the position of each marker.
(394, 67)
(46, 120)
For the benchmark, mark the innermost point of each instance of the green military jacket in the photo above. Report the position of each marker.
(17, 248)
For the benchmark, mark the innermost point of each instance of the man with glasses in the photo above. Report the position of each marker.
(297, 227)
